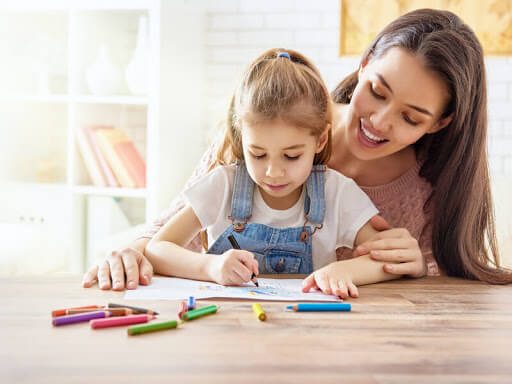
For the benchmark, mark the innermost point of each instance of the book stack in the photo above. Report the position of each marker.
(110, 157)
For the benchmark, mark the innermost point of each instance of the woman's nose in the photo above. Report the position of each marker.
(381, 120)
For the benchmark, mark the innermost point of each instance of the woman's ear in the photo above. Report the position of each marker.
(322, 139)
(441, 123)
(362, 65)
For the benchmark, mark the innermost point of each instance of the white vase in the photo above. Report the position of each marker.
(103, 77)
(137, 69)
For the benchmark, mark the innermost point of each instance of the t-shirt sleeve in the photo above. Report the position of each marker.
(209, 196)
(355, 209)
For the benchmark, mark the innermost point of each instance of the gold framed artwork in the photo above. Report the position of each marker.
(362, 20)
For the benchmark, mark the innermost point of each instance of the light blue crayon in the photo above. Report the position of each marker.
(320, 307)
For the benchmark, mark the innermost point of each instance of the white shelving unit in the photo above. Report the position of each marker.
(46, 98)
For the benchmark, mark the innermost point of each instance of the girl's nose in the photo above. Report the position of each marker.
(274, 170)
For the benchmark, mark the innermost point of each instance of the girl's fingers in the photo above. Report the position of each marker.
(308, 283)
(339, 288)
(352, 290)
(323, 283)
(90, 277)
(242, 273)
(395, 255)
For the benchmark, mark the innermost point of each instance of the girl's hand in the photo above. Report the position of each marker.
(394, 246)
(333, 279)
(233, 267)
(111, 273)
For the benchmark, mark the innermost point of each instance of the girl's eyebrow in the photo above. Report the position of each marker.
(419, 109)
(296, 146)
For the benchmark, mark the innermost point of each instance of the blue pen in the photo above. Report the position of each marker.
(191, 303)
(320, 307)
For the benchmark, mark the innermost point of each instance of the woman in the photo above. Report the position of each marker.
(410, 128)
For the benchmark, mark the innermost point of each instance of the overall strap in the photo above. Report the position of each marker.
(314, 204)
(242, 199)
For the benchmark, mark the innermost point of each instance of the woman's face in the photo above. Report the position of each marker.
(396, 101)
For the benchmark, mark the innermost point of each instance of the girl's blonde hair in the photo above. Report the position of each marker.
(279, 84)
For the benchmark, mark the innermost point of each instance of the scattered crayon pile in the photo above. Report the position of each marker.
(115, 315)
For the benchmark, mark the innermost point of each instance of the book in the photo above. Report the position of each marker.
(123, 157)
(90, 161)
(110, 179)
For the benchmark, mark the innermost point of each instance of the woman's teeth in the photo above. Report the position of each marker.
(371, 136)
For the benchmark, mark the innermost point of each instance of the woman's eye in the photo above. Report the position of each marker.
(288, 157)
(258, 157)
(408, 120)
(375, 94)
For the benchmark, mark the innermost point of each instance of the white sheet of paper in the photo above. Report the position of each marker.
(172, 288)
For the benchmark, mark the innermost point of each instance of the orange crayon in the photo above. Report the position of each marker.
(65, 311)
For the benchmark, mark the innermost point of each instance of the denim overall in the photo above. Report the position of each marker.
(278, 250)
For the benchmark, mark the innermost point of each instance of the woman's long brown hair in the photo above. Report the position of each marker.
(455, 158)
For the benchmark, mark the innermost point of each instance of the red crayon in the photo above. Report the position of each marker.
(182, 308)
(119, 321)
(65, 311)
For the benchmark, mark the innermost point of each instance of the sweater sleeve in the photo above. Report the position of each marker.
(178, 203)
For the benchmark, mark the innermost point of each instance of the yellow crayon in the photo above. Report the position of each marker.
(259, 312)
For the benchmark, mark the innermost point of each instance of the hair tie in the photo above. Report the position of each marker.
(284, 54)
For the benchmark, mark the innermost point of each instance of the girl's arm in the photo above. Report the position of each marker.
(168, 256)
(341, 278)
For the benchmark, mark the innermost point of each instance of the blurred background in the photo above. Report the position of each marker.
(107, 105)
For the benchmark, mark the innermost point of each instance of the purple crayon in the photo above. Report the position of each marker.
(80, 317)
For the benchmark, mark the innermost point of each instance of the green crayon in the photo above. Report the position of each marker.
(152, 327)
(199, 312)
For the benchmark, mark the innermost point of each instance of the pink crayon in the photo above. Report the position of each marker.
(119, 321)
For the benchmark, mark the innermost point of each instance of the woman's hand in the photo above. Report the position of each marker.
(233, 267)
(394, 246)
(333, 279)
(129, 261)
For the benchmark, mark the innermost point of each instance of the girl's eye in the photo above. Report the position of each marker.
(408, 120)
(258, 157)
(375, 94)
(292, 157)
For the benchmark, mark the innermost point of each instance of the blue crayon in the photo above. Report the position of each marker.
(191, 303)
(320, 307)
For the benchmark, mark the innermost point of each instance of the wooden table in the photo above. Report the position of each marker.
(431, 330)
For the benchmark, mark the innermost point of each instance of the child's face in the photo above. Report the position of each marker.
(396, 101)
(279, 158)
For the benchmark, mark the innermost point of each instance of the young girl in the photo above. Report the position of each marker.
(286, 210)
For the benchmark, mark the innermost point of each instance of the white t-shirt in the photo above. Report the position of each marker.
(348, 208)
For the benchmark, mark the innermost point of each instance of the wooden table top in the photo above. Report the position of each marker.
(440, 330)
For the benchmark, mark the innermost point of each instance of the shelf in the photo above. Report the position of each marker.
(90, 190)
(114, 99)
(29, 98)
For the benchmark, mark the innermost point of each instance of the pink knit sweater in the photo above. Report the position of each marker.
(400, 202)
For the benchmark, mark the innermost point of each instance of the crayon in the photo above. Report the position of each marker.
(191, 303)
(260, 314)
(152, 327)
(79, 318)
(235, 245)
(65, 311)
(199, 312)
(118, 321)
(182, 308)
(136, 310)
(113, 311)
(320, 307)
